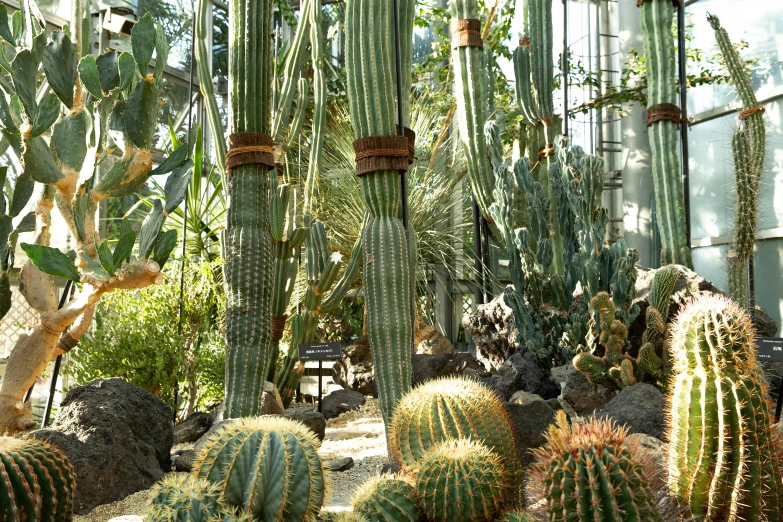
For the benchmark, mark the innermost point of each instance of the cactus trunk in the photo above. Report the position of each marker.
(249, 258)
(370, 52)
(656, 22)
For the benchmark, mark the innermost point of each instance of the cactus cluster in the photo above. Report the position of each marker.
(722, 458)
(37, 482)
(185, 498)
(586, 473)
(386, 498)
(653, 356)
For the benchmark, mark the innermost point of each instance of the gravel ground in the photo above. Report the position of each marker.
(358, 434)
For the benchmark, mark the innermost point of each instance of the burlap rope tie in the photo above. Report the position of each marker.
(747, 113)
(675, 3)
(250, 148)
(410, 135)
(378, 153)
(466, 33)
(278, 327)
(525, 42)
(546, 151)
(664, 111)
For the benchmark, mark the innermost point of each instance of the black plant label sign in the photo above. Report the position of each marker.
(770, 349)
(320, 351)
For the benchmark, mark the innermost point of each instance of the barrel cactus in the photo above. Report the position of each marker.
(266, 466)
(452, 408)
(37, 482)
(516, 516)
(586, 473)
(185, 498)
(386, 498)
(722, 459)
(460, 480)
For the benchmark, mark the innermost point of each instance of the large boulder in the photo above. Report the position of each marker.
(341, 401)
(494, 332)
(310, 418)
(427, 367)
(576, 391)
(520, 372)
(354, 370)
(640, 408)
(530, 422)
(192, 428)
(118, 438)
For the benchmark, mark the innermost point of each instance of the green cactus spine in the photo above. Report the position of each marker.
(185, 498)
(249, 257)
(267, 466)
(749, 149)
(37, 482)
(386, 498)
(460, 480)
(656, 22)
(722, 458)
(453, 408)
(586, 473)
(387, 271)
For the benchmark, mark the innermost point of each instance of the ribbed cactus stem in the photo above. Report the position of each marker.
(369, 52)
(291, 68)
(386, 498)
(249, 257)
(319, 105)
(203, 61)
(722, 459)
(656, 23)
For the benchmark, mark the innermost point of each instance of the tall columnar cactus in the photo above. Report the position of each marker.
(267, 466)
(749, 149)
(185, 498)
(586, 473)
(369, 26)
(656, 23)
(453, 408)
(722, 456)
(386, 498)
(249, 257)
(653, 356)
(37, 482)
(123, 94)
(472, 90)
(460, 480)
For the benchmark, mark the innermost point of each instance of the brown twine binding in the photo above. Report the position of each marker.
(278, 327)
(411, 137)
(546, 151)
(675, 3)
(664, 112)
(67, 342)
(747, 113)
(250, 148)
(378, 153)
(525, 42)
(466, 33)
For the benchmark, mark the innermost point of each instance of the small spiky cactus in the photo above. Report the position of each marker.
(267, 466)
(386, 498)
(453, 408)
(185, 498)
(37, 482)
(460, 480)
(516, 516)
(722, 460)
(586, 473)
(653, 357)
(342, 516)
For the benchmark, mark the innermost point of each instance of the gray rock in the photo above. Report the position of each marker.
(192, 428)
(520, 372)
(118, 438)
(183, 460)
(494, 332)
(341, 464)
(271, 402)
(523, 397)
(530, 422)
(431, 366)
(355, 370)
(582, 396)
(640, 408)
(215, 426)
(310, 418)
(341, 401)
(554, 404)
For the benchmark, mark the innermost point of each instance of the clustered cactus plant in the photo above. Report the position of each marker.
(653, 356)
(587, 474)
(37, 482)
(722, 457)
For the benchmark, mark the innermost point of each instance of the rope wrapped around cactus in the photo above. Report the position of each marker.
(380, 153)
(665, 112)
(250, 148)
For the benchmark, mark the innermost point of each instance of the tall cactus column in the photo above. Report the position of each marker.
(380, 156)
(663, 117)
(249, 259)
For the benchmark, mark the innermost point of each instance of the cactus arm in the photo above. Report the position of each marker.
(205, 83)
(524, 88)
(319, 105)
(291, 68)
(302, 102)
(656, 21)
(335, 297)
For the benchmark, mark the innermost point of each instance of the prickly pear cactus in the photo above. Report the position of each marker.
(386, 498)
(723, 462)
(267, 466)
(586, 473)
(182, 497)
(37, 482)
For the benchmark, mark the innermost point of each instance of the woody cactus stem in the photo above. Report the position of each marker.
(249, 259)
(749, 149)
(656, 22)
(372, 94)
(472, 107)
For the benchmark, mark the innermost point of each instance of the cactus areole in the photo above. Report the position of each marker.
(249, 257)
